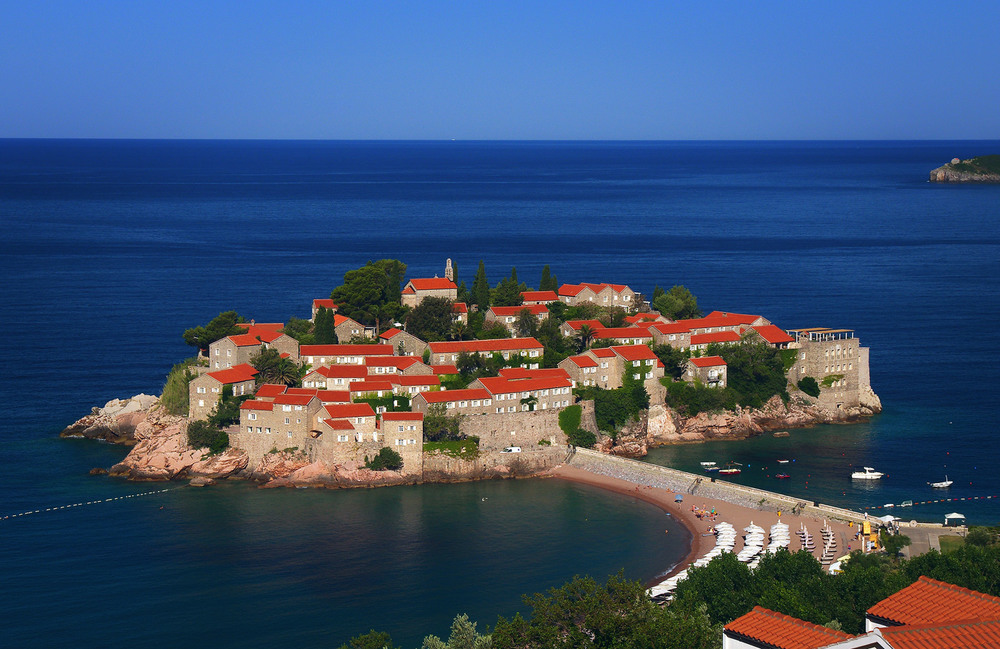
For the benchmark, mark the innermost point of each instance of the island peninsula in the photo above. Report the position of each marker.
(983, 169)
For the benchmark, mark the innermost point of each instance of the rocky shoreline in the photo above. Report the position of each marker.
(967, 171)
(159, 449)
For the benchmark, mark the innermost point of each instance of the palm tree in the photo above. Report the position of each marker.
(584, 336)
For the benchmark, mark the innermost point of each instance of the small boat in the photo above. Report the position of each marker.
(868, 474)
(782, 461)
(782, 476)
(731, 468)
(708, 463)
(944, 484)
(906, 503)
(710, 469)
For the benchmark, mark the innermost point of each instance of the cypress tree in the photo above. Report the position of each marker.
(324, 331)
(543, 285)
(481, 288)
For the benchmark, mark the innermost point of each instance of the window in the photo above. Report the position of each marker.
(253, 416)
(288, 420)
(341, 438)
(511, 409)
(604, 365)
(359, 420)
(486, 402)
(635, 363)
(298, 420)
(249, 429)
(201, 403)
(463, 404)
(286, 407)
(289, 433)
(201, 390)
(400, 428)
(267, 430)
(475, 403)
(229, 352)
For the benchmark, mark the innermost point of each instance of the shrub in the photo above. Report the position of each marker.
(386, 459)
(569, 422)
(202, 434)
(691, 398)
(175, 389)
(831, 379)
(809, 385)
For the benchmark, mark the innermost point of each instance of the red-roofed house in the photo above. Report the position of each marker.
(317, 355)
(239, 349)
(460, 312)
(464, 402)
(772, 335)
(334, 376)
(508, 315)
(674, 334)
(582, 370)
(281, 423)
(444, 370)
(447, 352)
(328, 303)
(929, 601)
(254, 327)
(538, 297)
(370, 388)
(571, 328)
(765, 629)
(515, 373)
(710, 370)
(524, 395)
(205, 391)
(405, 344)
(269, 390)
(602, 294)
(624, 335)
(417, 289)
(401, 365)
(741, 318)
(349, 329)
(411, 385)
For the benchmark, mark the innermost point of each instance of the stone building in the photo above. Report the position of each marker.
(401, 365)
(447, 352)
(317, 355)
(526, 395)
(538, 297)
(674, 334)
(509, 315)
(319, 303)
(417, 289)
(404, 344)
(607, 295)
(472, 401)
(348, 329)
(582, 370)
(334, 377)
(710, 370)
(283, 422)
(700, 342)
(241, 348)
(624, 335)
(836, 359)
(344, 441)
(205, 391)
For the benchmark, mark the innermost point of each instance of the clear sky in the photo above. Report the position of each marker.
(476, 69)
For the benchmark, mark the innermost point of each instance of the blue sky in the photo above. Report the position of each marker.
(500, 70)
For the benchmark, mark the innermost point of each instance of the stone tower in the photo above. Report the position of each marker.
(449, 272)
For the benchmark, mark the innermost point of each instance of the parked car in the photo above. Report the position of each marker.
(512, 449)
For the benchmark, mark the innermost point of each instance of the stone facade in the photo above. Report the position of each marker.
(509, 315)
(710, 371)
(456, 402)
(606, 295)
(835, 357)
(348, 329)
(275, 425)
(237, 350)
(341, 441)
(417, 289)
(317, 355)
(404, 343)
(444, 353)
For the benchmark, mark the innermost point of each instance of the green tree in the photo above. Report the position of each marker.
(175, 396)
(508, 291)
(440, 426)
(218, 328)
(480, 294)
(526, 325)
(584, 336)
(614, 317)
(677, 304)
(301, 330)
(755, 370)
(431, 319)
(809, 385)
(273, 368)
(370, 294)
(386, 460)
(657, 292)
(371, 640)
(547, 282)
(324, 330)
(674, 360)
(893, 543)
(202, 434)
(463, 636)
(557, 311)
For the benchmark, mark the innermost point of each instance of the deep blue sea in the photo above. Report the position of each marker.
(111, 248)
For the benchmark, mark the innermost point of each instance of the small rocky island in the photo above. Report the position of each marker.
(984, 169)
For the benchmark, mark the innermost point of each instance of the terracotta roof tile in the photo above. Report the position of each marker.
(270, 390)
(459, 307)
(325, 302)
(783, 631)
(500, 385)
(294, 399)
(256, 405)
(539, 296)
(533, 309)
(583, 361)
(444, 396)
(971, 634)
(236, 374)
(255, 337)
(497, 345)
(708, 361)
(622, 332)
(342, 410)
(333, 396)
(261, 326)
(772, 334)
(634, 352)
(929, 601)
(339, 424)
(432, 284)
(441, 370)
(522, 373)
(346, 350)
(389, 333)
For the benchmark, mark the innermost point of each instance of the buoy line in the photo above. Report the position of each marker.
(931, 502)
(82, 504)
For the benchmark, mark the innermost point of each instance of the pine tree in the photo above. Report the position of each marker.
(481, 288)
(543, 285)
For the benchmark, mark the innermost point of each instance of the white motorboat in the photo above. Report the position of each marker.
(708, 463)
(868, 474)
(944, 484)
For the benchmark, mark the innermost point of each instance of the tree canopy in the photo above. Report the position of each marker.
(218, 328)
(677, 304)
(370, 294)
(273, 368)
(480, 294)
(508, 291)
(324, 327)
(431, 319)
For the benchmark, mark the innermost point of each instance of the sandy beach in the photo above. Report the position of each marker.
(737, 515)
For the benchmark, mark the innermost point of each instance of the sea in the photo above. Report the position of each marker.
(111, 248)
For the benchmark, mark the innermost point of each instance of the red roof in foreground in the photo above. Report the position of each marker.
(972, 634)
(255, 337)
(444, 369)
(522, 373)
(339, 424)
(432, 284)
(583, 361)
(389, 333)
(708, 361)
(635, 352)
(459, 307)
(500, 385)
(772, 334)
(270, 390)
(346, 350)
(236, 374)
(928, 601)
(256, 405)
(783, 631)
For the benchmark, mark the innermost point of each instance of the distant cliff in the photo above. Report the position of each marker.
(984, 169)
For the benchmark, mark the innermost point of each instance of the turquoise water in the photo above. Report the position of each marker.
(111, 248)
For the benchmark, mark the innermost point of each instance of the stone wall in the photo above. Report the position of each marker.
(497, 431)
(530, 461)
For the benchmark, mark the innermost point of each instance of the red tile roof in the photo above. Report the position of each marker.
(928, 601)
(294, 399)
(408, 291)
(270, 390)
(370, 386)
(432, 284)
(782, 631)
(583, 361)
(671, 328)
(717, 337)
(708, 361)
(622, 332)
(517, 373)
(254, 338)
(459, 307)
(341, 319)
(256, 405)
(415, 379)
(741, 318)
(235, 374)
(399, 362)
(971, 634)
(339, 424)
(389, 333)
(573, 290)
(635, 352)
(497, 345)
(327, 302)
(772, 334)
(341, 371)
(402, 416)
(441, 370)
(643, 317)
(261, 326)
(603, 352)
(300, 391)
(444, 396)
(333, 396)
(710, 322)
(500, 385)
(576, 324)
(533, 309)
(346, 350)
(539, 296)
(342, 410)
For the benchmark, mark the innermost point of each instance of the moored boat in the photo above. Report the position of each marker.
(868, 474)
(944, 484)
(731, 468)
(782, 476)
